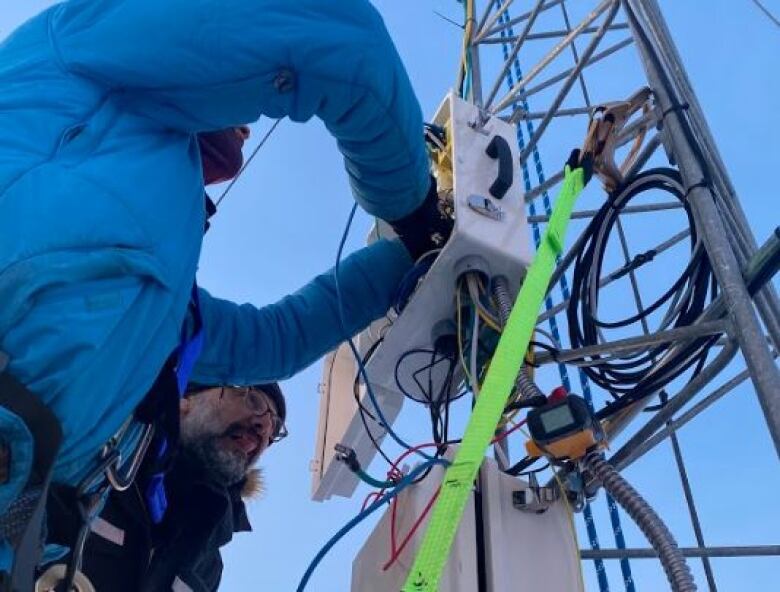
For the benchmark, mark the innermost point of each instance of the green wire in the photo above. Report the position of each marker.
(366, 478)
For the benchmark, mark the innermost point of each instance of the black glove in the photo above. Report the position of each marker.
(426, 228)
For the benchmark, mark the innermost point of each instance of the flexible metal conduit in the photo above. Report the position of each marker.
(524, 382)
(677, 571)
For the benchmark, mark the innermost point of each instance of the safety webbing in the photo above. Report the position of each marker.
(502, 372)
(590, 524)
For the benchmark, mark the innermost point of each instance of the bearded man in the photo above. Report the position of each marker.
(224, 431)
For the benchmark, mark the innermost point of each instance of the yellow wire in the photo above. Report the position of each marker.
(570, 516)
(529, 354)
(459, 336)
(488, 321)
(529, 358)
(466, 39)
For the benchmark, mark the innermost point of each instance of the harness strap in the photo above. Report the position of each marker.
(167, 395)
(22, 523)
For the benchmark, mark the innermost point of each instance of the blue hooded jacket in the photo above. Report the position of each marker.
(95, 273)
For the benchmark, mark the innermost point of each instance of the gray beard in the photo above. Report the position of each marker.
(221, 466)
(200, 445)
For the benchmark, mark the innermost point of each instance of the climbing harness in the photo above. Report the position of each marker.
(22, 522)
(158, 417)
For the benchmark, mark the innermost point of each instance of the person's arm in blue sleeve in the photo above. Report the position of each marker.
(248, 345)
(200, 65)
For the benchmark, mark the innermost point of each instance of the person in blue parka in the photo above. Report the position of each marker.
(96, 274)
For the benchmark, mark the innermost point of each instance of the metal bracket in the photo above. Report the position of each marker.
(482, 205)
(535, 499)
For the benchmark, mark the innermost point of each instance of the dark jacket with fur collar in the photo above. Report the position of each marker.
(126, 552)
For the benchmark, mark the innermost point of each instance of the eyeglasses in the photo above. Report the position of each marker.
(257, 401)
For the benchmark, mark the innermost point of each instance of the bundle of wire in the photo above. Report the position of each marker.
(640, 373)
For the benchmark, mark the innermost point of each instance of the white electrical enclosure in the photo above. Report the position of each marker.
(460, 572)
(523, 552)
(491, 236)
(526, 552)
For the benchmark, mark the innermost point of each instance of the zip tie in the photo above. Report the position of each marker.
(677, 107)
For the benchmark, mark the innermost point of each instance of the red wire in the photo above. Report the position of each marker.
(373, 494)
(394, 505)
(396, 553)
(393, 541)
(503, 435)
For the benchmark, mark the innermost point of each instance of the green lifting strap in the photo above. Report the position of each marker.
(499, 381)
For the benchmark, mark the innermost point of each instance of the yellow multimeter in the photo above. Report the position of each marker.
(564, 429)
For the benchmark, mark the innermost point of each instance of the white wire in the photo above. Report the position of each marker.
(474, 338)
(427, 254)
(473, 287)
(473, 357)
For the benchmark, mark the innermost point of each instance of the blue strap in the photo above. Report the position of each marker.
(187, 353)
(191, 343)
(156, 500)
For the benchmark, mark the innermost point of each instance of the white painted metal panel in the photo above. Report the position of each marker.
(495, 246)
(526, 552)
(460, 573)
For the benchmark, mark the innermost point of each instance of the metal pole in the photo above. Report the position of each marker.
(747, 330)
(675, 404)
(518, 19)
(519, 85)
(632, 344)
(476, 71)
(675, 424)
(653, 207)
(549, 34)
(573, 47)
(747, 551)
(688, 492)
(513, 54)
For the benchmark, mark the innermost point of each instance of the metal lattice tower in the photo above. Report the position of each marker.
(533, 70)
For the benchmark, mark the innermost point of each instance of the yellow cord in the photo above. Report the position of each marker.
(460, 336)
(570, 515)
(467, 31)
(488, 321)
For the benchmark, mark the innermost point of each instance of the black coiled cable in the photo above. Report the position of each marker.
(635, 375)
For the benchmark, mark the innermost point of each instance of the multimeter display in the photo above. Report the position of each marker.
(563, 429)
(556, 419)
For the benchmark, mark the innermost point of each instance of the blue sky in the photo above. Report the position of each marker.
(281, 225)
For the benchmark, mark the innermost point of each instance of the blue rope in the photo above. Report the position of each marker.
(583, 380)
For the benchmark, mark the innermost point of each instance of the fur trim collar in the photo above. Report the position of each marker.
(253, 486)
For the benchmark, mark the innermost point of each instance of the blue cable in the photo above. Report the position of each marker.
(403, 484)
(584, 383)
(361, 367)
(409, 282)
